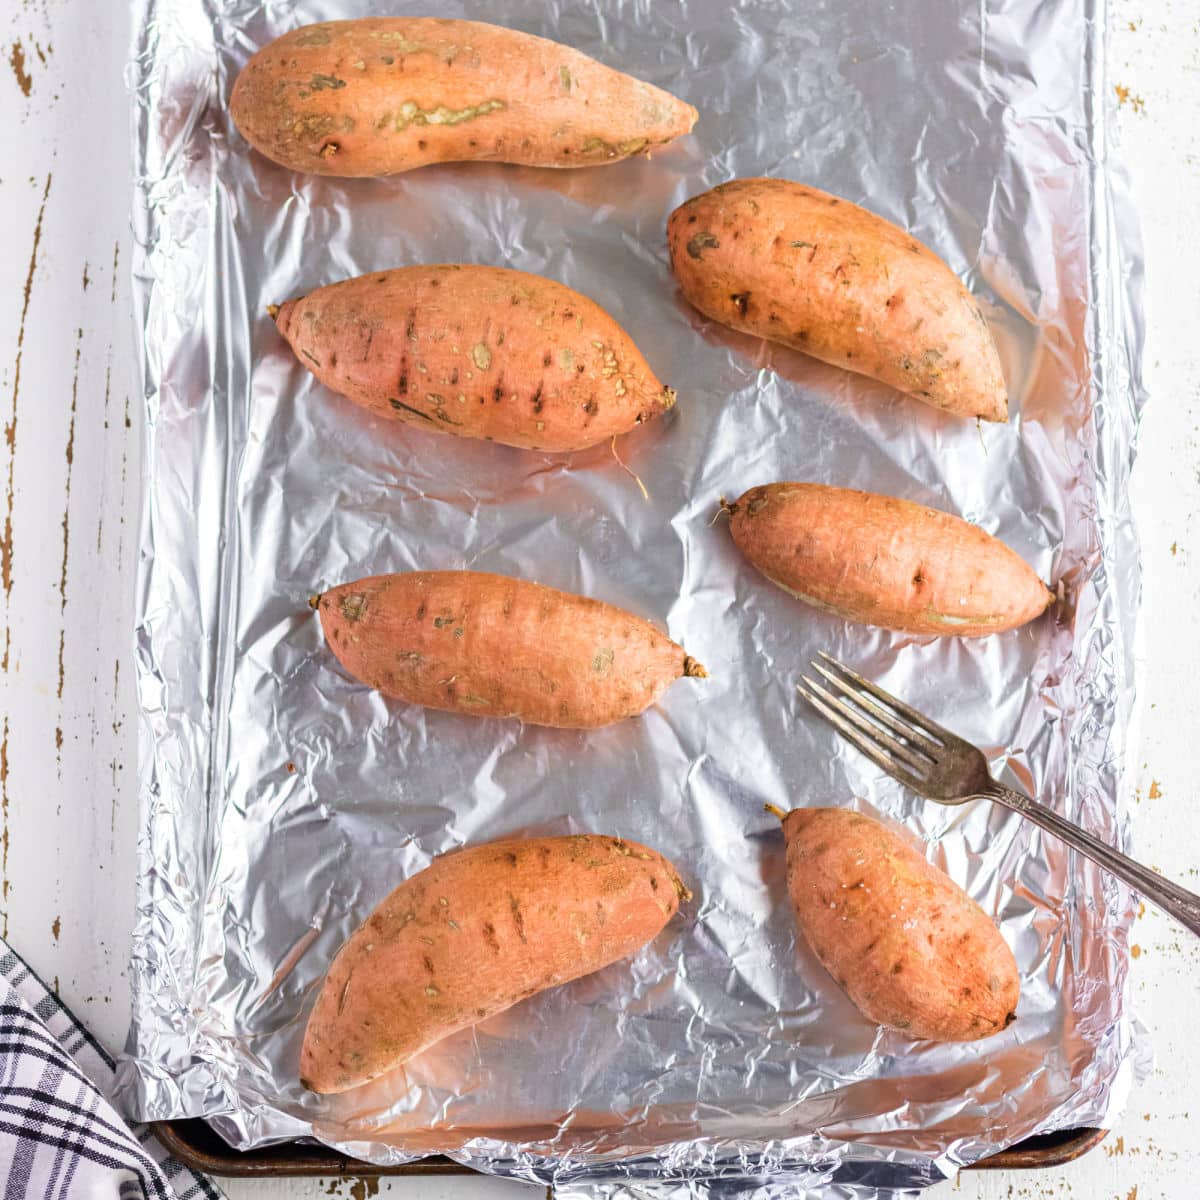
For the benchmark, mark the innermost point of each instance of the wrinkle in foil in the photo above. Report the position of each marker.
(281, 800)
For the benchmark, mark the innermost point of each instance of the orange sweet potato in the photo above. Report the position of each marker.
(493, 646)
(476, 932)
(885, 562)
(481, 352)
(804, 268)
(901, 938)
(385, 94)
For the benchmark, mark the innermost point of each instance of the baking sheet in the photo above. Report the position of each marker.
(281, 800)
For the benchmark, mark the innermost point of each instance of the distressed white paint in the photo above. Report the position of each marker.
(69, 811)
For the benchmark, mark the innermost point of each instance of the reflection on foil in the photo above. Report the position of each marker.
(275, 788)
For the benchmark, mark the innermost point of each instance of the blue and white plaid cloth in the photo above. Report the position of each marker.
(60, 1138)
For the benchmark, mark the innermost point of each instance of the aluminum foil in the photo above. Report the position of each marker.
(282, 800)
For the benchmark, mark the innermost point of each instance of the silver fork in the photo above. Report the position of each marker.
(936, 764)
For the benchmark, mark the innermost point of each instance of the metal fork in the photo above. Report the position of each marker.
(936, 764)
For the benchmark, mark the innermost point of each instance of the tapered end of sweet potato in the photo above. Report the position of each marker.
(693, 669)
(681, 889)
(676, 119)
(282, 315)
(322, 1072)
(995, 408)
(686, 115)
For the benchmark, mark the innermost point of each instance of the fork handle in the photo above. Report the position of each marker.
(1181, 904)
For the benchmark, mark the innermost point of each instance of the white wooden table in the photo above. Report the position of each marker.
(69, 487)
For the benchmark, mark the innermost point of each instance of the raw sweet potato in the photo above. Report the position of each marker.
(901, 938)
(385, 94)
(477, 351)
(884, 561)
(492, 646)
(475, 933)
(798, 266)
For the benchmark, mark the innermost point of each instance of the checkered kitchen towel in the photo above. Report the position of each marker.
(60, 1139)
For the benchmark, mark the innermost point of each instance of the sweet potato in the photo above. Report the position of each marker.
(492, 646)
(798, 266)
(475, 933)
(884, 561)
(385, 94)
(901, 938)
(477, 351)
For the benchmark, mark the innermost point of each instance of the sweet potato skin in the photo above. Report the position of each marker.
(909, 947)
(473, 934)
(380, 95)
(811, 271)
(493, 646)
(885, 562)
(482, 352)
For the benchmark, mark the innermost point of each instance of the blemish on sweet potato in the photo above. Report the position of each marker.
(517, 916)
(400, 406)
(353, 606)
(313, 35)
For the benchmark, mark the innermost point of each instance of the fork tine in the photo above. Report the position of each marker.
(877, 734)
(903, 728)
(859, 742)
(919, 719)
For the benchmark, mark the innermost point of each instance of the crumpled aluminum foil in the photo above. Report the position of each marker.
(281, 800)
